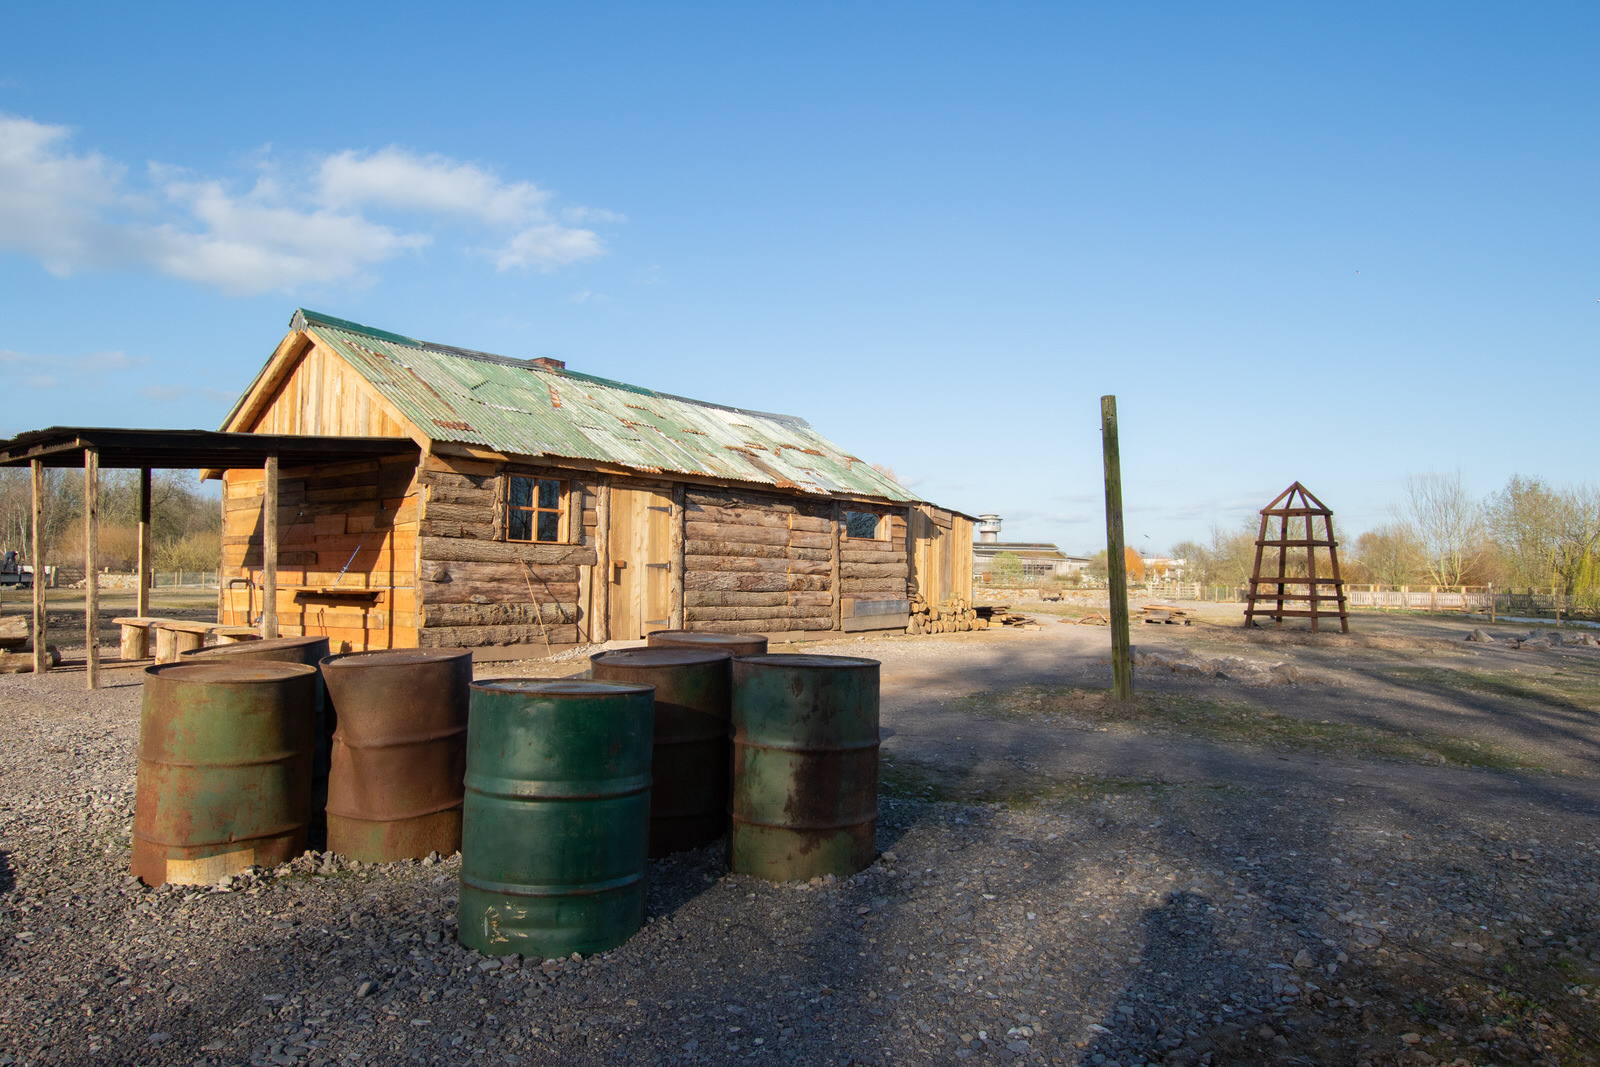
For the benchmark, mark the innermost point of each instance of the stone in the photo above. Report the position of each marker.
(1480, 635)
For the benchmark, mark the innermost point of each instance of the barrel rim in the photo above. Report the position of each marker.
(697, 636)
(394, 657)
(271, 670)
(808, 659)
(685, 657)
(563, 688)
(245, 647)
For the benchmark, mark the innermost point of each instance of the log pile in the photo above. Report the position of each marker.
(951, 615)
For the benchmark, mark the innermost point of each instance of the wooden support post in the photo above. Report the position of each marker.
(41, 655)
(269, 551)
(675, 553)
(835, 566)
(600, 630)
(142, 602)
(91, 578)
(1116, 563)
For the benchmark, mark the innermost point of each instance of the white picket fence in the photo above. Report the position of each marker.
(1460, 598)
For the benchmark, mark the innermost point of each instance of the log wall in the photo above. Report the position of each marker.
(476, 589)
(350, 527)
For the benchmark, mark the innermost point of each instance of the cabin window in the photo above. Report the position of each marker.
(862, 525)
(534, 508)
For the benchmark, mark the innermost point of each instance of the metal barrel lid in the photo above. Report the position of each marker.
(803, 660)
(546, 687)
(664, 656)
(240, 672)
(250, 649)
(396, 657)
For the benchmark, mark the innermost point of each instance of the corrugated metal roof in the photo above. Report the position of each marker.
(516, 407)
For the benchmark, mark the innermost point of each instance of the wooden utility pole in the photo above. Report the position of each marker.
(142, 597)
(91, 579)
(1116, 562)
(269, 550)
(41, 653)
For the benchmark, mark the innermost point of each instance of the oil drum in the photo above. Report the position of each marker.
(689, 767)
(733, 644)
(805, 766)
(224, 778)
(399, 751)
(557, 816)
(308, 650)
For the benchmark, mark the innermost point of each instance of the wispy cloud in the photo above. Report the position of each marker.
(52, 372)
(331, 222)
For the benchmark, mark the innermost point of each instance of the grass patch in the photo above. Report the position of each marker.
(1236, 722)
(1569, 689)
(995, 782)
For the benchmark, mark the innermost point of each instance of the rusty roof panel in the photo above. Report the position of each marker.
(514, 407)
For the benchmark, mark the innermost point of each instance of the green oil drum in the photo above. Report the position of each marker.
(732, 644)
(689, 768)
(557, 816)
(805, 766)
(399, 752)
(307, 650)
(224, 778)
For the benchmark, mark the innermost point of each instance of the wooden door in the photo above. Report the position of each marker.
(641, 570)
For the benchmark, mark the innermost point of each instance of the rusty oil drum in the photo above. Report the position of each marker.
(689, 797)
(308, 650)
(805, 766)
(224, 777)
(557, 816)
(399, 752)
(732, 644)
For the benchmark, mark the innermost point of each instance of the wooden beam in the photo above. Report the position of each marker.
(142, 602)
(1116, 562)
(600, 583)
(675, 556)
(41, 657)
(835, 554)
(91, 578)
(269, 551)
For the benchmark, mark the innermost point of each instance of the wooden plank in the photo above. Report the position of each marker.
(857, 586)
(499, 614)
(494, 591)
(446, 549)
(857, 623)
(757, 582)
(468, 514)
(480, 636)
(773, 613)
(848, 571)
(600, 586)
(865, 546)
(825, 623)
(848, 553)
(836, 560)
(739, 516)
(738, 534)
(756, 563)
(723, 548)
(721, 598)
(820, 541)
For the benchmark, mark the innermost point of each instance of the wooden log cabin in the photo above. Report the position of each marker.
(549, 507)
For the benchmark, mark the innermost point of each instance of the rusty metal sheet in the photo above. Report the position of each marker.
(224, 779)
(399, 753)
(805, 766)
(690, 761)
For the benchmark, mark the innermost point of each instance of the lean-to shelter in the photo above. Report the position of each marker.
(547, 507)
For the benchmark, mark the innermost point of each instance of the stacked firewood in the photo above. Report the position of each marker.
(951, 615)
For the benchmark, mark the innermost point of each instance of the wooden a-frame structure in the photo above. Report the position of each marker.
(1268, 594)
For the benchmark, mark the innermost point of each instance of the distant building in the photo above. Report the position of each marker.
(1039, 559)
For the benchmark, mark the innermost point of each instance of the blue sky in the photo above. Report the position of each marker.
(1336, 243)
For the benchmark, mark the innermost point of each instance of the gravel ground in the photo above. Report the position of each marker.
(1097, 892)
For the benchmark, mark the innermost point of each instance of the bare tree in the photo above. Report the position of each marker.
(1438, 512)
(1389, 555)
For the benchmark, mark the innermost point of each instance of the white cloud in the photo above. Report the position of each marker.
(52, 372)
(349, 212)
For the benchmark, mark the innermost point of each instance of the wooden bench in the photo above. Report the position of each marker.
(173, 636)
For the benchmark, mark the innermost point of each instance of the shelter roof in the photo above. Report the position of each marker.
(63, 446)
(537, 409)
